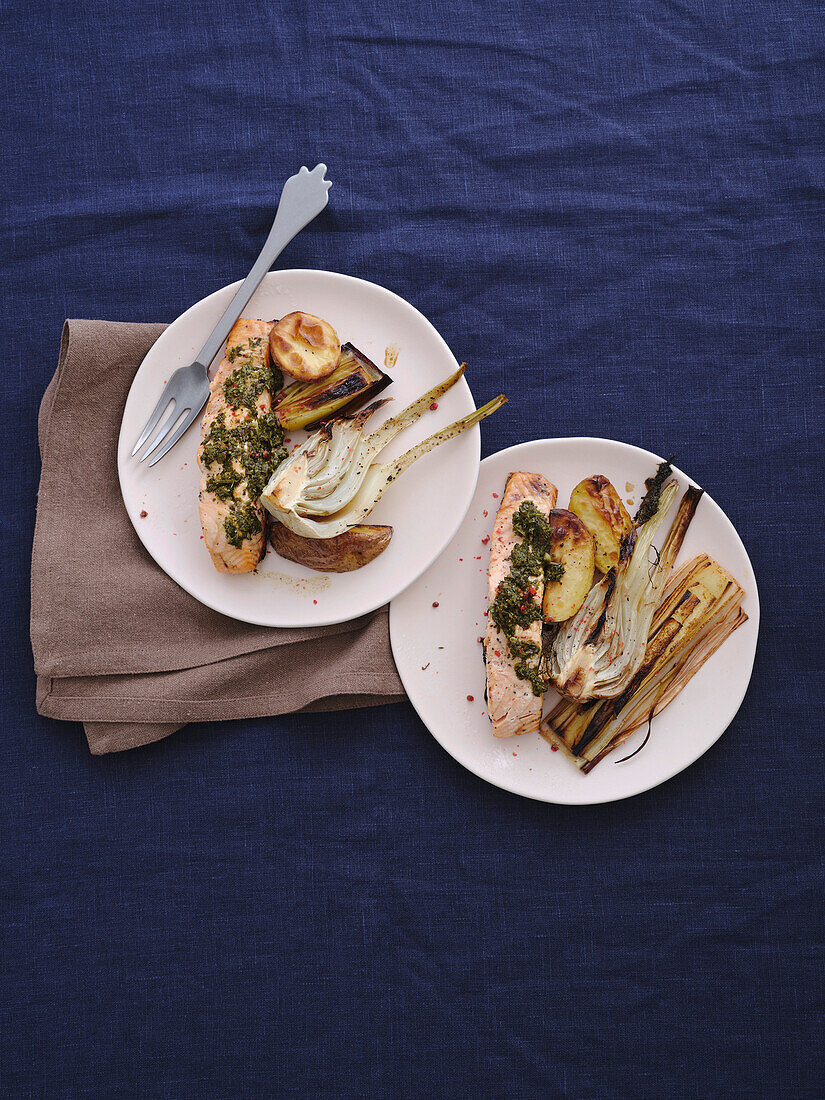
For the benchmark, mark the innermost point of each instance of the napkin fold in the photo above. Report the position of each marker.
(117, 644)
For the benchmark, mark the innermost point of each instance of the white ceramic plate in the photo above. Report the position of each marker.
(439, 658)
(425, 508)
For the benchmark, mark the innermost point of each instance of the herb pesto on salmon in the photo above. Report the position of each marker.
(512, 645)
(514, 607)
(242, 444)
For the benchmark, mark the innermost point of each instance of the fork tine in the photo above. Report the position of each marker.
(152, 422)
(176, 434)
(171, 420)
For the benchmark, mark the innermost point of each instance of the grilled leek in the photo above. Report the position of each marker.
(700, 608)
(355, 380)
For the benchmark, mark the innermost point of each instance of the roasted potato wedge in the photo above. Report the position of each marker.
(305, 346)
(600, 508)
(341, 554)
(574, 548)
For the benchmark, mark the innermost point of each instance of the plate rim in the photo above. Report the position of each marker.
(460, 513)
(754, 615)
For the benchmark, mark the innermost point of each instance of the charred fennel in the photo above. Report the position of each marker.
(331, 483)
(596, 654)
(653, 485)
(700, 608)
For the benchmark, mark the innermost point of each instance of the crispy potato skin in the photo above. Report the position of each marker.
(600, 508)
(574, 548)
(305, 346)
(341, 554)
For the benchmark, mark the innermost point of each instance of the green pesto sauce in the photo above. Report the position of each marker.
(514, 607)
(253, 376)
(244, 386)
(241, 523)
(247, 453)
(244, 349)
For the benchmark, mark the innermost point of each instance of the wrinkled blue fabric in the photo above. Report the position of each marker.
(614, 213)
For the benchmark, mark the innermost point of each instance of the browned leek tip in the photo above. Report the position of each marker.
(493, 405)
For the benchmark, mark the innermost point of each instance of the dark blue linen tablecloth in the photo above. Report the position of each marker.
(614, 212)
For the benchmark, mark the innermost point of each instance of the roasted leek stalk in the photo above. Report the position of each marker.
(700, 608)
(355, 380)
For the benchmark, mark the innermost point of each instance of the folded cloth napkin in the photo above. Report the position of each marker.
(117, 644)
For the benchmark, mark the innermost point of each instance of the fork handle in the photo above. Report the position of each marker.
(303, 198)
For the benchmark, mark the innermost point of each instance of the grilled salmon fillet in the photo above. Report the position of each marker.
(226, 557)
(232, 520)
(511, 704)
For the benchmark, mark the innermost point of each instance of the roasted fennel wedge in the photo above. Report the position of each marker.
(331, 482)
(597, 652)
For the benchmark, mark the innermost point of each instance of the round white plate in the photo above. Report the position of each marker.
(439, 658)
(425, 508)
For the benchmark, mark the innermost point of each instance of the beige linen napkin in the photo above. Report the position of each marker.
(119, 646)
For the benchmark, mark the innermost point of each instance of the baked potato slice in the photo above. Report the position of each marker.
(342, 554)
(600, 508)
(305, 346)
(573, 547)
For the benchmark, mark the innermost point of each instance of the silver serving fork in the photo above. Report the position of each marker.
(304, 197)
